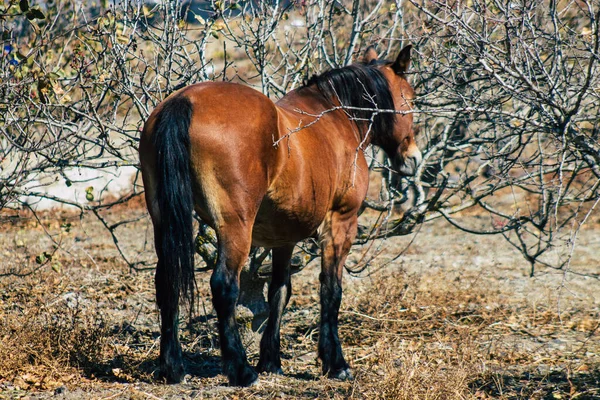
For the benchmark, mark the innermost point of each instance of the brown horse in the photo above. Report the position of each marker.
(270, 175)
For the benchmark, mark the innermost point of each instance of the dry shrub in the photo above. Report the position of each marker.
(415, 342)
(430, 338)
(418, 371)
(43, 348)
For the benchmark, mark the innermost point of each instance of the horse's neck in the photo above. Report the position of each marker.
(308, 106)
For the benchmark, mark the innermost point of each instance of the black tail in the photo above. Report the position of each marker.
(175, 244)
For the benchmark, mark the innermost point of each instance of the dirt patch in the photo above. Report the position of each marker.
(455, 316)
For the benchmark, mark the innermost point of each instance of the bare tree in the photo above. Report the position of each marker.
(507, 102)
(508, 105)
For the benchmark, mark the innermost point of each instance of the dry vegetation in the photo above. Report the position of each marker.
(450, 319)
(507, 105)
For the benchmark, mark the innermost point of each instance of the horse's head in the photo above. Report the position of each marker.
(401, 146)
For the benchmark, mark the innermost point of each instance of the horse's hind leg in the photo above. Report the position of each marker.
(234, 245)
(170, 359)
(280, 291)
(337, 236)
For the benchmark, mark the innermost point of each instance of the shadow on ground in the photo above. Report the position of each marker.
(540, 385)
(123, 369)
(141, 364)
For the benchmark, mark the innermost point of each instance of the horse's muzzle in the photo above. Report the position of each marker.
(407, 165)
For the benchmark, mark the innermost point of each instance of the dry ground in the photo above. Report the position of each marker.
(455, 317)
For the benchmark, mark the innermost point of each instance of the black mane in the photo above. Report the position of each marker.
(361, 86)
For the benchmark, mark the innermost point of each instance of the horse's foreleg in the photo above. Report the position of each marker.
(280, 291)
(336, 239)
(224, 284)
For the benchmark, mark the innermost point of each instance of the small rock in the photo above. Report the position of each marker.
(60, 390)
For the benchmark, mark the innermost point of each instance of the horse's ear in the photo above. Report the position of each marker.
(401, 64)
(370, 55)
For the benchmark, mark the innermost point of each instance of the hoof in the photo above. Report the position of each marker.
(170, 362)
(172, 374)
(247, 377)
(269, 367)
(342, 375)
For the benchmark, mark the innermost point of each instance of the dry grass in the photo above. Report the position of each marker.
(421, 328)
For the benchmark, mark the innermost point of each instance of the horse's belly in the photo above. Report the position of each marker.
(281, 223)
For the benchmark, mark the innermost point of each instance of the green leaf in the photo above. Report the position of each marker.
(37, 13)
(66, 226)
(60, 73)
(24, 5)
(56, 267)
(42, 258)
